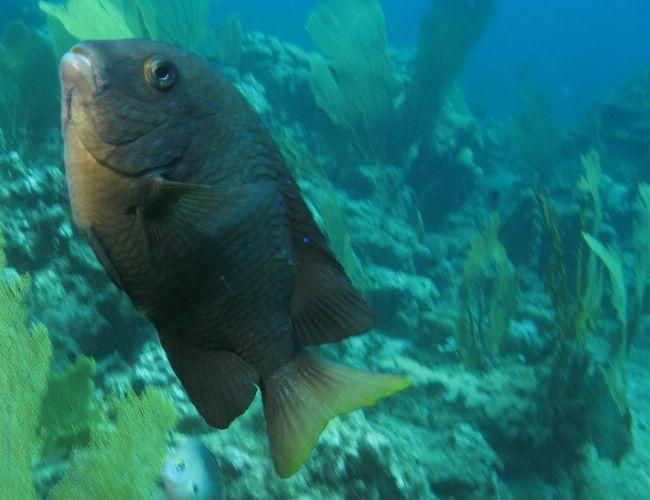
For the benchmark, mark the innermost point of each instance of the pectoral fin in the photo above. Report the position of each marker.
(177, 216)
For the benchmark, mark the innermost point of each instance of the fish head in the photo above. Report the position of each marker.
(134, 105)
(190, 472)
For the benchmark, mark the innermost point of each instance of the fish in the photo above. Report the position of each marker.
(187, 202)
(190, 472)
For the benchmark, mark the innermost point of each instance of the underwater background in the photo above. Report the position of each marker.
(482, 171)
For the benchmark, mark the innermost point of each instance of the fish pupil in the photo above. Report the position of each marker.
(161, 74)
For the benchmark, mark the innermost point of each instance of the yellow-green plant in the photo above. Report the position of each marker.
(611, 259)
(581, 382)
(122, 461)
(25, 354)
(488, 299)
(590, 183)
(355, 84)
(69, 410)
(181, 22)
(95, 20)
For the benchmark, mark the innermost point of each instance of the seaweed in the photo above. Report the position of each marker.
(123, 461)
(354, 80)
(25, 355)
(585, 396)
(641, 239)
(448, 32)
(355, 84)
(182, 22)
(96, 20)
(120, 461)
(69, 411)
(488, 299)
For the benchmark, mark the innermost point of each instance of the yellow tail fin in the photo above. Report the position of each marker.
(301, 398)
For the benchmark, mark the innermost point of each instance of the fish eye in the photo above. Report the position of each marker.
(160, 73)
(180, 465)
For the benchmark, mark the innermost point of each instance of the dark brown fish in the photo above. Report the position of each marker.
(187, 202)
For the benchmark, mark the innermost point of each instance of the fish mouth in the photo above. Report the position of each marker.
(81, 72)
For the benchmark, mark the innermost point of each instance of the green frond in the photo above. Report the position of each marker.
(124, 461)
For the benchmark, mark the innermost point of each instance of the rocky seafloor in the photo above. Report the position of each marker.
(456, 433)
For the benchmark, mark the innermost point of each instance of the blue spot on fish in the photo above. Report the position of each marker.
(306, 240)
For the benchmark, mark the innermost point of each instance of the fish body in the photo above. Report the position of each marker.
(190, 473)
(187, 202)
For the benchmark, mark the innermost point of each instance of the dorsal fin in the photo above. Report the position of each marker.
(325, 306)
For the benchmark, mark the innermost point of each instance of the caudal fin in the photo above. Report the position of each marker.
(301, 398)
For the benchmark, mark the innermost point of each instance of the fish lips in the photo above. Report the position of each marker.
(81, 71)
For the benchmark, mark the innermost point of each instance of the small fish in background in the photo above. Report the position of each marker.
(190, 472)
(187, 202)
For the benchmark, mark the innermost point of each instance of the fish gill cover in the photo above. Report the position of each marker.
(506, 259)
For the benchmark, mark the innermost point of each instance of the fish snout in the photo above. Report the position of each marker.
(81, 69)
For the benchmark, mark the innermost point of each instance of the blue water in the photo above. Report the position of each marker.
(576, 50)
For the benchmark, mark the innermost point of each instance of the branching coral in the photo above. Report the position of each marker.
(488, 299)
(355, 85)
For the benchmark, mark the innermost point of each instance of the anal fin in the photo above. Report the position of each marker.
(219, 383)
